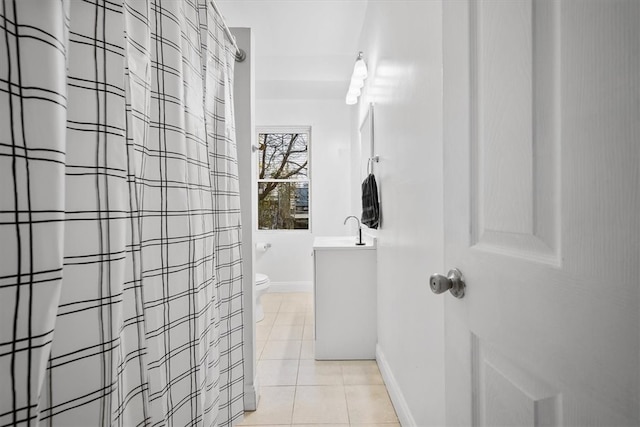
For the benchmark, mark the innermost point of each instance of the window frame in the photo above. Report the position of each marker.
(257, 180)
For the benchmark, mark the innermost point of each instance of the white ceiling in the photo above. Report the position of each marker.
(304, 49)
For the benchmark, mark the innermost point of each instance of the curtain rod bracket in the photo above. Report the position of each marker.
(240, 55)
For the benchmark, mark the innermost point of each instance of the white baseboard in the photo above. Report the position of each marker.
(397, 398)
(299, 286)
(251, 395)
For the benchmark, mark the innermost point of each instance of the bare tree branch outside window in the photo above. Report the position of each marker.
(283, 181)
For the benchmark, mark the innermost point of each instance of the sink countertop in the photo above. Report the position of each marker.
(343, 243)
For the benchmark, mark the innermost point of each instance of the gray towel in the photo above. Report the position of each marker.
(370, 206)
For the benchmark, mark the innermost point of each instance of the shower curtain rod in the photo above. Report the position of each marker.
(240, 54)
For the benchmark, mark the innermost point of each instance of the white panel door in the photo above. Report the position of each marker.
(542, 208)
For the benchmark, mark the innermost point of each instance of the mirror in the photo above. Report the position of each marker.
(366, 143)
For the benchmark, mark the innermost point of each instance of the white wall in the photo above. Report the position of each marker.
(402, 43)
(289, 260)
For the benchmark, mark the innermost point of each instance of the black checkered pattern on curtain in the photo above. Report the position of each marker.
(120, 267)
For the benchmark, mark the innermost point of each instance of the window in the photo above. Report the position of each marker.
(283, 179)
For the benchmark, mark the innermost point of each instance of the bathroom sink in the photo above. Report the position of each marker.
(343, 242)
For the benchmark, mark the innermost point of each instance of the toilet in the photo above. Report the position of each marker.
(262, 285)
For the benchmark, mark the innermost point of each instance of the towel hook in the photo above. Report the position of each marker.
(370, 163)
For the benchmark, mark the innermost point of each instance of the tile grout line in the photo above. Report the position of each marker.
(295, 392)
(344, 389)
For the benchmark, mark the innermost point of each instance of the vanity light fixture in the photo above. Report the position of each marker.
(357, 80)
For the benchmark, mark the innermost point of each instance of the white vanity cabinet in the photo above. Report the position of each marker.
(345, 298)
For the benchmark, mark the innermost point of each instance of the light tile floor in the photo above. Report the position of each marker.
(296, 390)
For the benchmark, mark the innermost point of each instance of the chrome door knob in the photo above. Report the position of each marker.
(453, 282)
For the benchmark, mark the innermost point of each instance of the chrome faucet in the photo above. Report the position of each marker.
(359, 228)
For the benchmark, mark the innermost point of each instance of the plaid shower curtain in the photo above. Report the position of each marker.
(120, 263)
